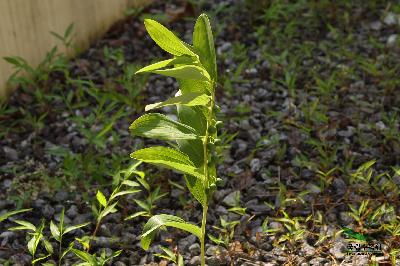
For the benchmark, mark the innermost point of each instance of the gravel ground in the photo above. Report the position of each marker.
(308, 93)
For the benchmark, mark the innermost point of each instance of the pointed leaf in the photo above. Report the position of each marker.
(74, 227)
(42, 258)
(185, 72)
(189, 99)
(157, 221)
(48, 246)
(166, 39)
(107, 210)
(54, 231)
(191, 85)
(85, 256)
(33, 243)
(169, 158)
(180, 260)
(193, 148)
(25, 225)
(101, 198)
(159, 126)
(196, 188)
(169, 252)
(11, 213)
(125, 192)
(194, 117)
(137, 214)
(203, 42)
(142, 204)
(130, 183)
(165, 63)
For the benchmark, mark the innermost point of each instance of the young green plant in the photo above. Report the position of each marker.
(195, 132)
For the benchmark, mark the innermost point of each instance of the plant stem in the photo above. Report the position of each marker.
(203, 236)
(59, 250)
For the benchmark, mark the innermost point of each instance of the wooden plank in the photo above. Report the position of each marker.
(25, 26)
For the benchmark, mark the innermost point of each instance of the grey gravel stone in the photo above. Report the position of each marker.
(21, 259)
(339, 185)
(221, 210)
(376, 25)
(7, 183)
(61, 196)
(255, 165)
(317, 261)
(82, 218)
(194, 249)
(345, 218)
(390, 19)
(307, 250)
(338, 249)
(224, 47)
(6, 236)
(66, 219)
(314, 189)
(48, 211)
(39, 203)
(256, 207)
(392, 40)
(232, 199)
(72, 211)
(195, 261)
(186, 242)
(10, 153)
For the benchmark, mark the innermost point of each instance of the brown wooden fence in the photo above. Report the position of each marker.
(25, 26)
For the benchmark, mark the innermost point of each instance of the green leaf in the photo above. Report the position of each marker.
(169, 158)
(33, 243)
(125, 192)
(193, 148)
(180, 260)
(166, 39)
(185, 72)
(130, 183)
(157, 221)
(48, 246)
(191, 85)
(101, 198)
(203, 42)
(24, 226)
(42, 258)
(85, 256)
(189, 99)
(165, 63)
(144, 183)
(132, 170)
(107, 210)
(196, 187)
(169, 252)
(193, 116)
(11, 213)
(159, 126)
(217, 241)
(142, 204)
(74, 227)
(137, 214)
(54, 231)
(61, 225)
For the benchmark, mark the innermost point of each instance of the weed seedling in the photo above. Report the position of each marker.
(195, 132)
(171, 256)
(107, 206)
